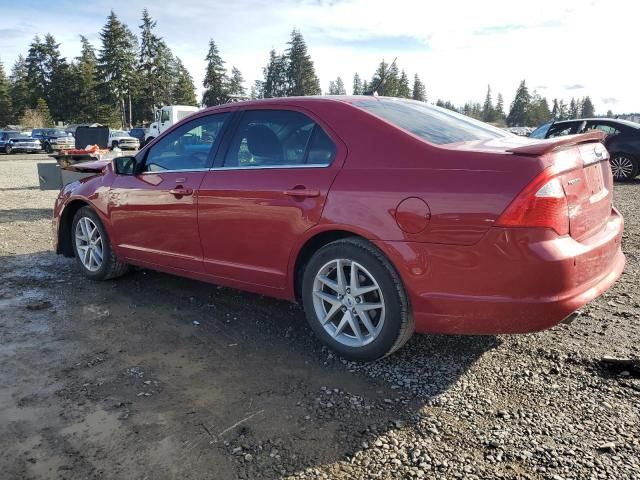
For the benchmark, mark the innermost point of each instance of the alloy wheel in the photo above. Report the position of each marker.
(89, 244)
(348, 302)
(621, 167)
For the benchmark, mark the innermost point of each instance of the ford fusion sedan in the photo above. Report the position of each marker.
(381, 216)
(14, 142)
(622, 139)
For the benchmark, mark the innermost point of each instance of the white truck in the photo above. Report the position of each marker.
(167, 116)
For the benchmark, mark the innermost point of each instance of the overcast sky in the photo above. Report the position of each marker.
(563, 48)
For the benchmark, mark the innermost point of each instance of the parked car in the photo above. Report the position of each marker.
(139, 133)
(13, 142)
(381, 215)
(122, 140)
(53, 139)
(622, 140)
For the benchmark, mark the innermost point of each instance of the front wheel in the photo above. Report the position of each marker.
(8, 149)
(355, 302)
(92, 247)
(623, 166)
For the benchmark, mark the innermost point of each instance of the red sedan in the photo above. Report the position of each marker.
(382, 216)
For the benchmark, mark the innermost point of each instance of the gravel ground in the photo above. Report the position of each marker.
(159, 377)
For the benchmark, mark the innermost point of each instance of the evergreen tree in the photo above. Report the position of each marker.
(488, 112)
(83, 74)
(446, 104)
(574, 108)
(365, 86)
(563, 111)
(538, 111)
(500, 115)
(357, 85)
(257, 89)
(215, 78)
(419, 91)
(380, 80)
(236, 83)
(275, 76)
(337, 87)
(58, 91)
(117, 66)
(519, 107)
(403, 89)
(555, 110)
(609, 114)
(301, 74)
(43, 110)
(184, 91)
(19, 90)
(6, 112)
(37, 77)
(588, 109)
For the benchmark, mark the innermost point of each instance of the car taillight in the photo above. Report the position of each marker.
(542, 203)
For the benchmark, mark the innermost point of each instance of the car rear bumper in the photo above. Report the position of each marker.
(512, 281)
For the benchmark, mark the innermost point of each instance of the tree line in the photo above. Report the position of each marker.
(128, 76)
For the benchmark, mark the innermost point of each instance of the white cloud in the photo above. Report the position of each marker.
(457, 47)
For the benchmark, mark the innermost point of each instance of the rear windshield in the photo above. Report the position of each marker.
(434, 124)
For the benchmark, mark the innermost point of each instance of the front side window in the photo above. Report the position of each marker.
(187, 148)
(560, 129)
(165, 116)
(278, 138)
(541, 131)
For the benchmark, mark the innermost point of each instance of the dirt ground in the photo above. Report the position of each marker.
(154, 376)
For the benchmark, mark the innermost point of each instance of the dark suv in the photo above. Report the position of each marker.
(53, 139)
(622, 141)
(139, 133)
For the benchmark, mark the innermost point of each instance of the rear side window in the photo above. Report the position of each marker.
(433, 124)
(608, 129)
(278, 138)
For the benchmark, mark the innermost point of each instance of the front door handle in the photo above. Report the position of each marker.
(181, 191)
(302, 193)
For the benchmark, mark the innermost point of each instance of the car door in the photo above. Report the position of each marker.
(269, 186)
(154, 213)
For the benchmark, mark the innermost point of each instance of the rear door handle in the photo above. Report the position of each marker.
(302, 193)
(181, 191)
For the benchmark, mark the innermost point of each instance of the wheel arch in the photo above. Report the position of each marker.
(312, 244)
(65, 247)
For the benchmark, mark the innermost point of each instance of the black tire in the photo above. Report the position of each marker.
(624, 167)
(110, 267)
(8, 149)
(398, 323)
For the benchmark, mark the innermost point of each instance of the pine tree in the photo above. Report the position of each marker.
(58, 92)
(236, 83)
(357, 85)
(275, 76)
(43, 110)
(301, 74)
(379, 81)
(563, 111)
(83, 74)
(215, 78)
(488, 112)
(555, 111)
(19, 90)
(574, 108)
(588, 109)
(538, 111)
(609, 114)
(337, 87)
(500, 115)
(419, 91)
(184, 91)
(519, 107)
(257, 89)
(37, 78)
(447, 104)
(403, 90)
(117, 65)
(6, 111)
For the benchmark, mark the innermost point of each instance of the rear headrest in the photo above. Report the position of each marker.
(263, 142)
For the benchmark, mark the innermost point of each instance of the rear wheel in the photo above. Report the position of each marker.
(623, 166)
(355, 302)
(92, 247)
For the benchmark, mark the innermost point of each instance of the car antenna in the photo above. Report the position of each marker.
(373, 91)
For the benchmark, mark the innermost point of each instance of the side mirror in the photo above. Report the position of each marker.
(126, 165)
